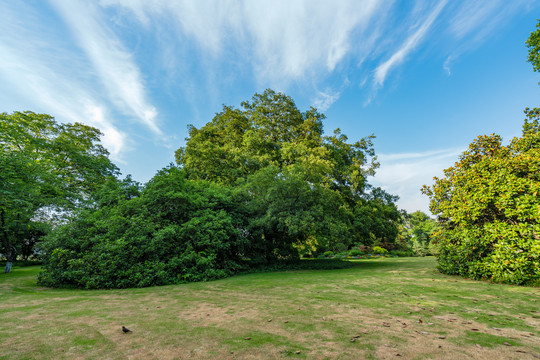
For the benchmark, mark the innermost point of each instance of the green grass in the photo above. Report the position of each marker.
(388, 306)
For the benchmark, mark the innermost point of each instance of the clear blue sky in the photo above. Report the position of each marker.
(426, 77)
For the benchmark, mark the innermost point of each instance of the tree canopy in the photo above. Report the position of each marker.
(488, 205)
(276, 151)
(45, 165)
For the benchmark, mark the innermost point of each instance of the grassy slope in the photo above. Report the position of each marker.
(388, 306)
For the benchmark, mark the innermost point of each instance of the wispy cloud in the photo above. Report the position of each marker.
(112, 62)
(475, 20)
(325, 99)
(283, 40)
(31, 68)
(410, 43)
(404, 174)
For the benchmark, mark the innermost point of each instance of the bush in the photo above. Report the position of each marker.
(356, 252)
(402, 253)
(180, 233)
(379, 250)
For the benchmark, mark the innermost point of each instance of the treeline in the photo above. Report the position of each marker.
(256, 186)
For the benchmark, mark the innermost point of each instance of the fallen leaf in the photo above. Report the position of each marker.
(442, 337)
(298, 352)
(247, 338)
(507, 344)
(269, 320)
(479, 346)
(475, 329)
(352, 340)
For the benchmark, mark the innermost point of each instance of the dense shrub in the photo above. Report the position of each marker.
(175, 231)
(379, 250)
(402, 253)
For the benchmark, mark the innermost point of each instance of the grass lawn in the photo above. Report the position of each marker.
(378, 309)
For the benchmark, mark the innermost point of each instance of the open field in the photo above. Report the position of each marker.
(379, 309)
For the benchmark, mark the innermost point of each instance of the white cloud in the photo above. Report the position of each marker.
(44, 78)
(283, 40)
(472, 15)
(113, 64)
(404, 174)
(325, 99)
(412, 42)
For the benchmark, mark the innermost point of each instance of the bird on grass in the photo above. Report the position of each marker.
(126, 330)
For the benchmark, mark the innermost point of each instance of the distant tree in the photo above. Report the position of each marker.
(417, 232)
(45, 165)
(488, 206)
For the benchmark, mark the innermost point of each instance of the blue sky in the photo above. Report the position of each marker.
(426, 77)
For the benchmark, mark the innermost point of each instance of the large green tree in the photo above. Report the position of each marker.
(302, 185)
(45, 165)
(269, 130)
(488, 205)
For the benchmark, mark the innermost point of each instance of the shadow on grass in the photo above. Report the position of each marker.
(385, 264)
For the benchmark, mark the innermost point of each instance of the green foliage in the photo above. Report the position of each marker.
(533, 43)
(379, 250)
(258, 186)
(355, 252)
(173, 231)
(402, 253)
(416, 233)
(488, 204)
(45, 166)
(305, 192)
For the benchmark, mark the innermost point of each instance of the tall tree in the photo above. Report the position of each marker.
(295, 175)
(270, 130)
(44, 165)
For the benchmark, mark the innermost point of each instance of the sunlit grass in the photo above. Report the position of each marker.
(376, 309)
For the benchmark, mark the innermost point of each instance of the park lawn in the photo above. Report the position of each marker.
(378, 309)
